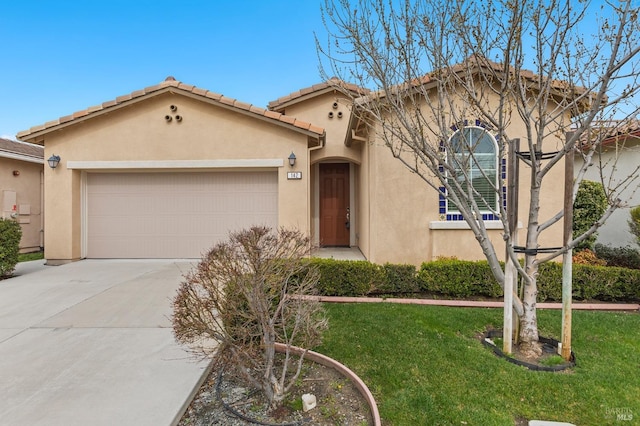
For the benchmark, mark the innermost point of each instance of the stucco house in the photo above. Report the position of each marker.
(21, 183)
(167, 171)
(616, 162)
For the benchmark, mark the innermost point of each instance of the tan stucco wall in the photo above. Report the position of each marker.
(139, 132)
(402, 206)
(316, 110)
(28, 190)
(331, 111)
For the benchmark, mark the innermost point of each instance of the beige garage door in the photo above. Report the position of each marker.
(174, 215)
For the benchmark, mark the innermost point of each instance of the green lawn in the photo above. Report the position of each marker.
(425, 366)
(26, 257)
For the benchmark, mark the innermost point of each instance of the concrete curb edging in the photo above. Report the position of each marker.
(344, 370)
(474, 303)
(192, 394)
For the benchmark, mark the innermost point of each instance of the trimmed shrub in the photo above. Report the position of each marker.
(623, 257)
(347, 277)
(10, 234)
(609, 284)
(630, 281)
(400, 279)
(458, 278)
(549, 281)
(590, 282)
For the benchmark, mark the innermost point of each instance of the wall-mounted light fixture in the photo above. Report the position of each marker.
(53, 161)
(292, 159)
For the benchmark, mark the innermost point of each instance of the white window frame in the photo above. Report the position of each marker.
(475, 167)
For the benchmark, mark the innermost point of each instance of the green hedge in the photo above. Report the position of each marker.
(10, 234)
(465, 279)
(397, 279)
(605, 283)
(347, 277)
(362, 278)
(458, 279)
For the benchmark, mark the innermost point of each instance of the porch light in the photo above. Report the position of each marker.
(292, 159)
(53, 161)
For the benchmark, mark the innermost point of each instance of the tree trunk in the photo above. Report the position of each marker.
(529, 344)
(269, 379)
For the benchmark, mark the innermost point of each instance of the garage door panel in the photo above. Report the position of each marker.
(174, 215)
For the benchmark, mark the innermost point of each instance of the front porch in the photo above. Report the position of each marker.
(339, 253)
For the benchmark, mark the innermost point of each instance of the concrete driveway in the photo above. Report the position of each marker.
(90, 343)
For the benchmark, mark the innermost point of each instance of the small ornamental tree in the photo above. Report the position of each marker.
(456, 85)
(588, 207)
(244, 297)
(10, 234)
(634, 223)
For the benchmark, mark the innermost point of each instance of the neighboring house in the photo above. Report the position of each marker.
(21, 183)
(167, 171)
(615, 163)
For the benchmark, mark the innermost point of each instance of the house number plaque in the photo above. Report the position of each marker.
(294, 175)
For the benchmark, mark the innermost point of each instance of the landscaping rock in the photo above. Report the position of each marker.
(308, 402)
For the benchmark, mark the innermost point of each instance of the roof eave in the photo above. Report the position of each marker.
(279, 107)
(21, 157)
(37, 134)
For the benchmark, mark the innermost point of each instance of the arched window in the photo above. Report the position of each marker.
(473, 155)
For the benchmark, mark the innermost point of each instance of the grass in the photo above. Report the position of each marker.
(26, 257)
(425, 366)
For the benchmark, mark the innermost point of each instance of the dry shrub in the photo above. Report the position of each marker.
(243, 297)
(588, 257)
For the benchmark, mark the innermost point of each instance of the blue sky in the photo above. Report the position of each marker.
(62, 56)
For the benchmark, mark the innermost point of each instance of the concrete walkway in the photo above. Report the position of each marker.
(339, 253)
(90, 343)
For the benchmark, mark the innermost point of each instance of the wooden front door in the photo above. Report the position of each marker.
(334, 204)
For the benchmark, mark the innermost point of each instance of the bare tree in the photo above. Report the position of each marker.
(439, 65)
(242, 299)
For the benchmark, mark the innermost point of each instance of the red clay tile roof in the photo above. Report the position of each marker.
(9, 148)
(610, 132)
(170, 84)
(317, 89)
(475, 64)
